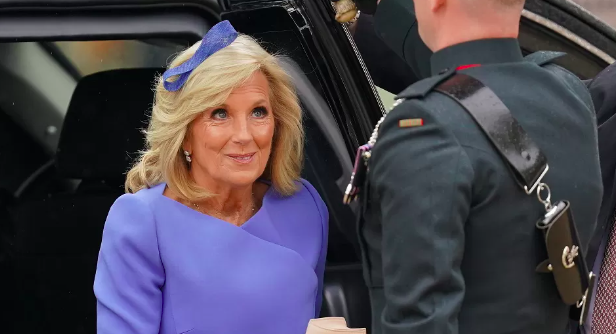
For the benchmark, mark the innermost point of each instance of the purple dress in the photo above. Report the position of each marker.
(166, 268)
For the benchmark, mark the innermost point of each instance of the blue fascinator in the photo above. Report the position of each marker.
(217, 38)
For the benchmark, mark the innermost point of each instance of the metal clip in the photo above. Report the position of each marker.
(586, 298)
(547, 202)
(538, 182)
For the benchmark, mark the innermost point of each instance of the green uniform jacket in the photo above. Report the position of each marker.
(449, 238)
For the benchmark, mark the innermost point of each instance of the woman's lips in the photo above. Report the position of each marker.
(242, 158)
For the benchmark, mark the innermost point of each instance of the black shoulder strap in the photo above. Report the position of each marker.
(421, 88)
(515, 146)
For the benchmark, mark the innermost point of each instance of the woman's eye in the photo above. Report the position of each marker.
(219, 114)
(259, 112)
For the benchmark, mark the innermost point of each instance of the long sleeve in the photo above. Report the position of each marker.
(422, 177)
(320, 267)
(129, 274)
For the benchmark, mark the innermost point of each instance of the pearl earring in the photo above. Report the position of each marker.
(187, 155)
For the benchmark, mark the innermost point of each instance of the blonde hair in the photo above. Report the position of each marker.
(208, 86)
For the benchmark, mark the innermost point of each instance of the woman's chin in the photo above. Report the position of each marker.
(241, 179)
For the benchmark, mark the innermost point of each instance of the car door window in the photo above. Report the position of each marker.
(94, 56)
(44, 76)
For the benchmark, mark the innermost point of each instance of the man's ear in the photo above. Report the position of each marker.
(436, 5)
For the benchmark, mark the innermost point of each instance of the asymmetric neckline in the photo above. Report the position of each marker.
(256, 216)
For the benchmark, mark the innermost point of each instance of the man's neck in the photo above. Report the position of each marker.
(473, 31)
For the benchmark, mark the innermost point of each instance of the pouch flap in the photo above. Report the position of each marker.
(564, 256)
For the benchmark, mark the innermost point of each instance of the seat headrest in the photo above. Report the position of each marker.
(101, 135)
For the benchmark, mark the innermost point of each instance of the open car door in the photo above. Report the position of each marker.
(75, 81)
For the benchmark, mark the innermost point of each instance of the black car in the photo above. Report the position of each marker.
(75, 89)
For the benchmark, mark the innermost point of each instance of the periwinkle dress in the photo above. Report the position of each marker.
(166, 268)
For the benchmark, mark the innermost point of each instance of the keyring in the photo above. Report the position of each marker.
(547, 201)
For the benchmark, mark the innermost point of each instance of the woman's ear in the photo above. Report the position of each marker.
(186, 147)
(186, 144)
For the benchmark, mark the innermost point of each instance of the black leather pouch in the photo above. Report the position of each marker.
(564, 256)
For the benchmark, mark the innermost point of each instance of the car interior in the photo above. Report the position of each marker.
(72, 110)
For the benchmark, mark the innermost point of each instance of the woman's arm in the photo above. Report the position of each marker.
(129, 275)
(320, 268)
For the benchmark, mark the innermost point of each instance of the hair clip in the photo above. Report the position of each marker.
(217, 38)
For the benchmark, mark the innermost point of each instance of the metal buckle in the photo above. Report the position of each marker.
(530, 191)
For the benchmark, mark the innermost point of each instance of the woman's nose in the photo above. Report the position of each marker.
(241, 132)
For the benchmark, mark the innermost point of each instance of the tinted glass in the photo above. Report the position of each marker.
(95, 56)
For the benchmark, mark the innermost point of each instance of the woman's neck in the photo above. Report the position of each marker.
(234, 205)
(230, 202)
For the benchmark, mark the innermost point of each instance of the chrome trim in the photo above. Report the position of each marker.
(568, 35)
(351, 40)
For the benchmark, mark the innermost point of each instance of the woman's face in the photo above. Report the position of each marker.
(231, 144)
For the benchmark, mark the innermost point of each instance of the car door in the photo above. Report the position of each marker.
(562, 25)
(47, 49)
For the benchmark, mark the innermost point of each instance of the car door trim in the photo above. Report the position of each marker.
(568, 35)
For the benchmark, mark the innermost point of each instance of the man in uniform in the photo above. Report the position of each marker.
(449, 238)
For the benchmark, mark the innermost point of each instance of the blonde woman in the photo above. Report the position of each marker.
(217, 233)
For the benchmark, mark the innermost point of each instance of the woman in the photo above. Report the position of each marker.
(217, 233)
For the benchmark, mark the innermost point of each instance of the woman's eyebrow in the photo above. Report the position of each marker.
(260, 101)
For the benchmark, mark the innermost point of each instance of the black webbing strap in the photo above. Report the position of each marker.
(515, 146)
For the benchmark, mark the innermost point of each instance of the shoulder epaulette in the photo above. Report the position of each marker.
(543, 57)
(421, 88)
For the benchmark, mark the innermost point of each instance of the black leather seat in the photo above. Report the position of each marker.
(57, 238)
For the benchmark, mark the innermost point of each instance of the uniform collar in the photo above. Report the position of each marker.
(480, 52)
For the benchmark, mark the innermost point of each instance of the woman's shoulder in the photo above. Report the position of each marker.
(133, 210)
(307, 200)
(140, 199)
(307, 190)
